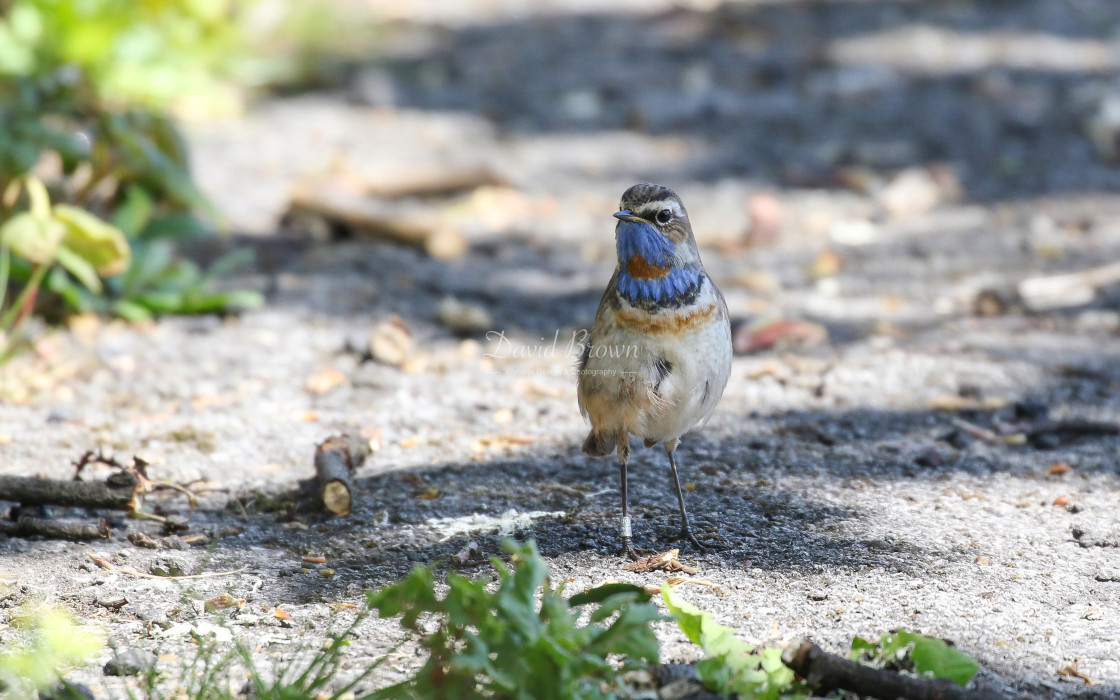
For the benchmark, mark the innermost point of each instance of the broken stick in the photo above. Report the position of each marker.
(26, 526)
(336, 459)
(375, 218)
(1063, 291)
(822, 670)
(121, 491)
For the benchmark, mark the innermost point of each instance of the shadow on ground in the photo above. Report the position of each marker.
(789, 91)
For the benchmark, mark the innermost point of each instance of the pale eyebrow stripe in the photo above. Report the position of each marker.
(664, 204)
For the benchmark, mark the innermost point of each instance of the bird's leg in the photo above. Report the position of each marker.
(623, 451)
(686, 529)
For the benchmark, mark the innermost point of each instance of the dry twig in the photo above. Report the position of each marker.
(824, 671)
(336, 460)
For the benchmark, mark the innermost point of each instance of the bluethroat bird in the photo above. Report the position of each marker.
(659, 353)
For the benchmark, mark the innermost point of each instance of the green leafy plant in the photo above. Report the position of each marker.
(81, 89)
(732, 666)
(49, 237)
(154, 53)
(50, 643)
(502, 644)
(908, 651)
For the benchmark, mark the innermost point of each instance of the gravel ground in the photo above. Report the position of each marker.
(841, 170)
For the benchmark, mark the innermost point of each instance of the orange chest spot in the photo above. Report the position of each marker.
(641, 269)
(674, 322)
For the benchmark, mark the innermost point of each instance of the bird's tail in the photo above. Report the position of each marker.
(599, 445)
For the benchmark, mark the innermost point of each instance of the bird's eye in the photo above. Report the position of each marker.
(663, 217)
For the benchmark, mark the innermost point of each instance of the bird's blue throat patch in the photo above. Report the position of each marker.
(646, 265)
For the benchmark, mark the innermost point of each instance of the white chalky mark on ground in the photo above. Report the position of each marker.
(506, 524)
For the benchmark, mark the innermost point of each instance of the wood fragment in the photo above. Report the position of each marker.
(987, 435)
(825, 671)
(1073, 428)
(374, 218)
(336, 459)
(27, 526)
(430, 181)
(120, 491)
(1063, 291)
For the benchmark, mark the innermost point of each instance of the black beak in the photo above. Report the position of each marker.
(625, 215)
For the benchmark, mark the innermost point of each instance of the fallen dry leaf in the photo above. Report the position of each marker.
(307, 416)
(1070, 671)
(827, 264)
(281, 614)
(326, 572)
(502, 442)
(223, 601)
(372, 435)
(1062, 501)
(770, 368)
(410, 442)
(1059, 468)
(675, 581)
(324, 380)
(390, 341)
(982, 560)
(428, 495)
(665, 560)
(503, 415)
(768, 333)
(766, 218)
(310, 559)
(536, 390)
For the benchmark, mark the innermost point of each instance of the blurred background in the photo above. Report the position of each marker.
(858, 149)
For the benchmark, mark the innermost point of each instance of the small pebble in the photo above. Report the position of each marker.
(129, 662)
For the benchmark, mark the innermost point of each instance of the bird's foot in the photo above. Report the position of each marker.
(686, 534)
(630, 552)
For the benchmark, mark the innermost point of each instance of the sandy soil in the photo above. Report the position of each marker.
(869, 167)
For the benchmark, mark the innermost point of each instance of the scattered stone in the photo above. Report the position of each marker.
(65, 691)
(153, 615)
(130, 662)
(1107, 576)
(913, 191)
(169, 566)
(1096, 535)
(464, 318)
(113, 603)
(929, 457)
(990, 302)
